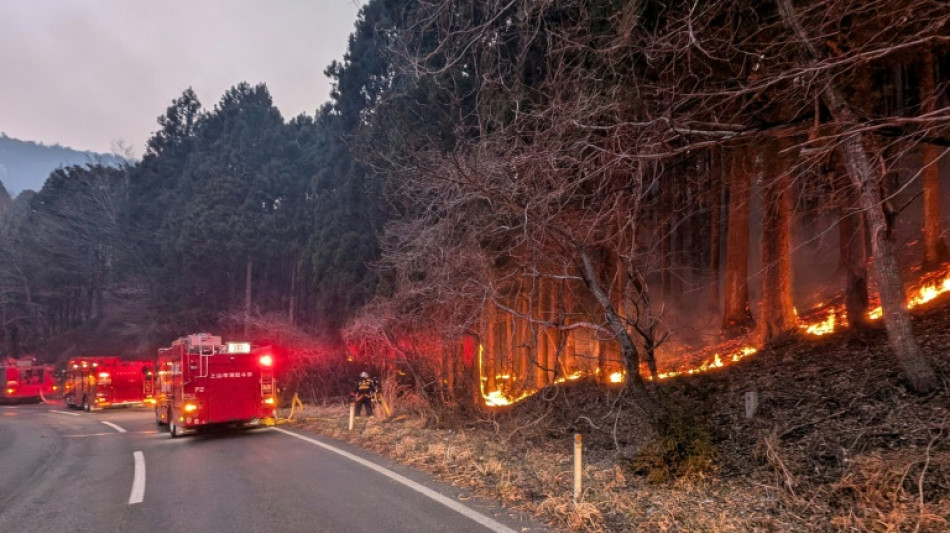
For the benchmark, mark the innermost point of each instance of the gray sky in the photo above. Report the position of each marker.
(89, 74)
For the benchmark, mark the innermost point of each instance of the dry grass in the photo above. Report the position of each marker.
(838, 444)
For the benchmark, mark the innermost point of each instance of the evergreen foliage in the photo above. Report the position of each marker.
(546, 177)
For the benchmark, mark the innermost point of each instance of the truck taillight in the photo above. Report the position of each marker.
(190, 407)
(267, 360)
(103, 375)
(11, 391)
(269, 401)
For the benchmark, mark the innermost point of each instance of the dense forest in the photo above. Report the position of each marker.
(505, 194)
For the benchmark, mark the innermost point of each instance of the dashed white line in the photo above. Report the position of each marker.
(114, 426)
(63, 412)
(492, 525)
(138, 481)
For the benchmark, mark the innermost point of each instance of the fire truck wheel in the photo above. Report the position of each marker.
(85, 404)
(173, 429)
(158, 419)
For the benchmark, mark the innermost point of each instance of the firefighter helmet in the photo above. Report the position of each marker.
(364, 375)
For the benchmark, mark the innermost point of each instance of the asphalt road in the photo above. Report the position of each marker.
(114, 470)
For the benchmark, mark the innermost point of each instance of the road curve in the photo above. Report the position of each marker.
(88, 473)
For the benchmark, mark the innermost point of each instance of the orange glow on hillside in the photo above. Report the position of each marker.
(716, 361)
(827, 320)
(823, 320)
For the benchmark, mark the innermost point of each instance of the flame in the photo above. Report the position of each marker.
(576, 375)
(825, 319)
(716, 361)
(927, 289)
(497, 398)
(823, 327)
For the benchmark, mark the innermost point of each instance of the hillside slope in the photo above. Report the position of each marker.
(838, 444)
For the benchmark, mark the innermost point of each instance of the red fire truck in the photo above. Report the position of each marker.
(24, 380)
(202, 383)
(97, 382)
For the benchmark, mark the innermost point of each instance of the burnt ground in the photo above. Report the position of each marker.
(838, 443)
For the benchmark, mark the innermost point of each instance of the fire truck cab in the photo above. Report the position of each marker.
(202, 382)
(97, 382)
(24, 380)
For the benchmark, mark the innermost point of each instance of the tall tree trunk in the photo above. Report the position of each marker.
(853, 259)
(665, 243)
(247, 296)
(489, 349)
(778, 310)
(569, 359)
(470, 347)
(716, 203)
(736, 315)
(450, 369)
(292, 304)
(524, 364)
(540, 333)
(551, 336)
(445, 355)
(537, 334)
(935, 248)
(508, 344)
(866, 179)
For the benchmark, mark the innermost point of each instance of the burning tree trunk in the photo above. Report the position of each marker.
(552, 336)
(853, 258)
(569, 351)
(736, 316)
(488, 348)
(546, 343)
(866, 179)
(778, 311)
(715, 202)
(525, 355)
(469, 349)
(935, 248)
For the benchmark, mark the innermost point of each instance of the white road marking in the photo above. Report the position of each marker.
(114, 426)
(63, 412)
(491, 524)
(138, 482)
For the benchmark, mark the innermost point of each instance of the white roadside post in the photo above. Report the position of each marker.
(578, 465)
(751, 403)
(352, 414)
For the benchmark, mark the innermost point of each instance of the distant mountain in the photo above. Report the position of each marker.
(26, 164)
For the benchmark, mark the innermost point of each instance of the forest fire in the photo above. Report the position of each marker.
(824, 320)
(929, 288)
(717, 360)
(825, 326)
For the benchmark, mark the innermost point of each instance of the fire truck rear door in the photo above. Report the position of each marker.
(233, 390)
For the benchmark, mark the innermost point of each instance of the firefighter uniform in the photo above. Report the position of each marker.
(364, 391)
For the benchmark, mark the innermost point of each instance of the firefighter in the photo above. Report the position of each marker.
(363, 394)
